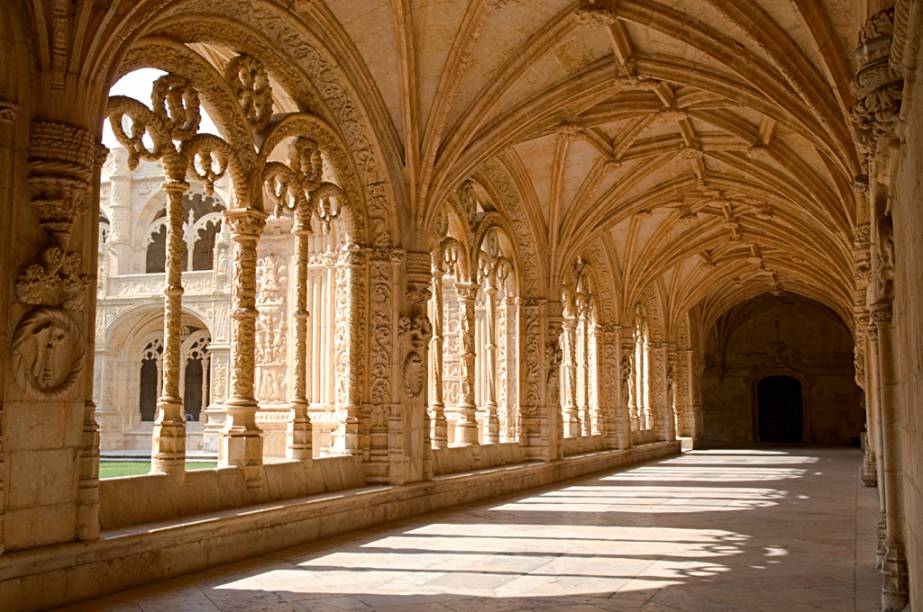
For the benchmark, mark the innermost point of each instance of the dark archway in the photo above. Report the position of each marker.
(779, 409)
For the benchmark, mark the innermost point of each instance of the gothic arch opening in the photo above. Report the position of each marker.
(752, 353)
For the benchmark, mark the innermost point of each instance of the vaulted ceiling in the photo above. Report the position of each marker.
(706, 142)
(704, 146)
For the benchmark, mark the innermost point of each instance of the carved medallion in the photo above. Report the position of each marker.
(414, 371)
(48, 352)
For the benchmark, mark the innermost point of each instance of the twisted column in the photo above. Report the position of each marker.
(298, 432)
(168, 453)
(437, 406)
(241, 439)
(466, 428)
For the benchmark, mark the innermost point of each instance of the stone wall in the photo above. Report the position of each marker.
(810, 344)
(908, 317)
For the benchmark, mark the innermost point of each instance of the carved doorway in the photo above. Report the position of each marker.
(779, 409)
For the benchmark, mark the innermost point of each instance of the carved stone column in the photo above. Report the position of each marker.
(414, 329)
(534, 435)
(586, 375)
(627, 368)
(298, 434)
(608, 342)
(492, 423)
(51, 347)
(466, 428)
(569, 341)
(874, 386)
(625, 417)
(241, 439)
(437, 405)
(895, 588)
(553, 357)
(168, 454)
(348, 341)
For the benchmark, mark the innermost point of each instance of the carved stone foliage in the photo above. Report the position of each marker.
(877, 86)
(48, 346)
(415, 332)
(248, 78)
(48, 351)
(271, 328)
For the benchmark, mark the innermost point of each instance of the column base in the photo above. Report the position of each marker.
(298, 434)
(466, 426)
(440, 429)
(895, 589)
(168, 448)
(881, 548)
(492, 435)
(869, 475)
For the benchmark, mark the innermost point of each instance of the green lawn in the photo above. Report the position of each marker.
(114, 469)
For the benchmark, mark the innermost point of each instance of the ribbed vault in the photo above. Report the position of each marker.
(707, 143)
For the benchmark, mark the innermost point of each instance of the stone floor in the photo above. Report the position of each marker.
(746, 530)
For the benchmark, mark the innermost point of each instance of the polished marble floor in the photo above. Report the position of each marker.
(749, 530)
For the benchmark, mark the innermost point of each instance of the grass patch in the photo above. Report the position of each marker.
(114, 469)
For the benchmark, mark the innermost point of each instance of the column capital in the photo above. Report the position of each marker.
(245, 222)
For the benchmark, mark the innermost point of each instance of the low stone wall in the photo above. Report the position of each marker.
(134, 500)
(467, 458)
(581, 445)
(129, 557)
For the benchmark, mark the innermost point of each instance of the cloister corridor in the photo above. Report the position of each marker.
(760, 529)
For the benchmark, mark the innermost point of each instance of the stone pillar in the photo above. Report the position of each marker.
(120, 221)
(298, 433)
(466, 428)
(348, 343)
(52, 320)
(534, 432)
(662, 418)
(571, 417)
(894, 593)
(586, 374)
(607, 343)
(168, 453)
(627, 418)
(414, 329)
(553, 358)
(241, 439)
(492, 433)
(874, 399)
(437, 405)
(384, 388)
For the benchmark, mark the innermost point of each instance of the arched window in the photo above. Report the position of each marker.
(579, 368)
(474, 308)
(151, 365)
(202, 226)
(496, 316)
(640, 410)
(194, 381)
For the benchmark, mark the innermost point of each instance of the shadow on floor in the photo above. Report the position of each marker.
(766, 529)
